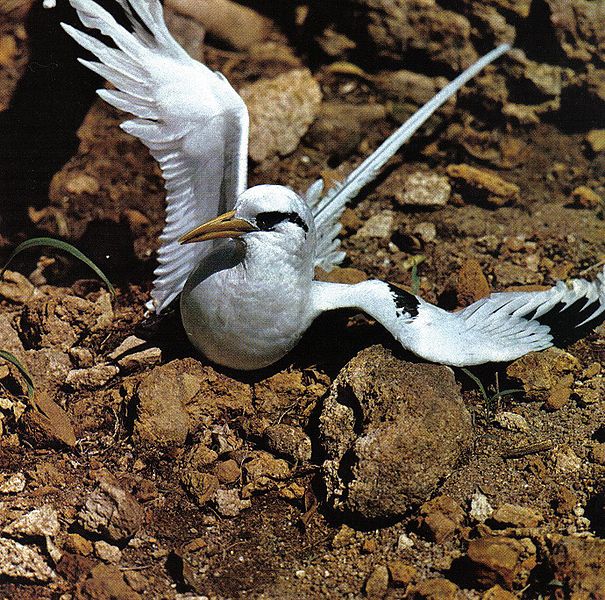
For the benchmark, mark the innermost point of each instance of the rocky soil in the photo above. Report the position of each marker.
(350, 469)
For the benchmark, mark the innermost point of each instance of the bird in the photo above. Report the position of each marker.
(240, 261)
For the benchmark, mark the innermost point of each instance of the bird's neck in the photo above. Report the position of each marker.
(276, 261)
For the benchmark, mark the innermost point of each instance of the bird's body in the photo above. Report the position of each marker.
(246, 300)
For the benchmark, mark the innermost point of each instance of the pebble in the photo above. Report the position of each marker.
(426, 231)
(483, 186)
(107, 552)
(291, 442)
(381, 225)
(91, 378)
(77, 544)
(40, 522)
(377, 583)
(12, 483)
(596, 139)
(440, 518)
(229, 503)
(81, 183)
(481, 509)
(404, 542)
(511, 515)
(23, 562)
(565, 459)
(227, 471)
(597, 454)
(424, 189)
(402, 573)
(584, 197)
(512, 421)
(437, 588)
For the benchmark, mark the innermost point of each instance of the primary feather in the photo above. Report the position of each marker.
(191, 119)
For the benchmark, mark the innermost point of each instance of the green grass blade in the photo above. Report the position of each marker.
(507, 393)
(65, 247)
(477, 381)
(415, 280)
(13, 360)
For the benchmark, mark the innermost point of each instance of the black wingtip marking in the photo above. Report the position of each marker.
(564, 321)
(404, 301)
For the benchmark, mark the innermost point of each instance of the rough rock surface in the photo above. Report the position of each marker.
(391, 430)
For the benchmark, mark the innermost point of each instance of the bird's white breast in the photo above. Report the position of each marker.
(245, 316)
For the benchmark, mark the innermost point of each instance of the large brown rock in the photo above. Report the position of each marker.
(390, 430)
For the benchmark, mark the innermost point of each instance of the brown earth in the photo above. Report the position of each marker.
(140, 470)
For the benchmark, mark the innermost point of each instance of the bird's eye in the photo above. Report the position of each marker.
(266, 221)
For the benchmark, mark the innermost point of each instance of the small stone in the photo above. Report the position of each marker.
(559, 395)
(91, 378)
(440, 518)
(565, 501)
(40, 522)
(471, 284)
(344, 537)
(404, 542)
(565, 459)
(12, 483)
(377, 583)
(294, 491)
(425, 190)
(597, 454)
(229, 503)
(426, 231)
(592, 370)
(81, 357)
(291, 442)
(82, 184)
(107, 552)
(435, 589)
(584, 197)
(512, 421)
(131, 359)
(15, 288)
(402, 574)
(369, 546)
(281, 110)
(499, 561)
(106, 582)
(481, 509)
(596, 139)
(498, 593)
(77, 544)
(202, 486)
(480, 185)
(511, 515)
(111, 511)
(227, 471)
(23, 562)
(381, 226)
(262, 464)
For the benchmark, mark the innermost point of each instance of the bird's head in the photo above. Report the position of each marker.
(264, 215)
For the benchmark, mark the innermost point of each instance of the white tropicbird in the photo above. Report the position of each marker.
(247, 300)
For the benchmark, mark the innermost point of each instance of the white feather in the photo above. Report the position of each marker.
(191, 119)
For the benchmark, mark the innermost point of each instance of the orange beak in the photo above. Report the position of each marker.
(223, 226)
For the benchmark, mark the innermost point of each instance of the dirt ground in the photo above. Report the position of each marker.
(138, 469)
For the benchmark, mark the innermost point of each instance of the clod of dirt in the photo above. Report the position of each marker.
(476, 185)
(435, 589)
(390, 430)
(281, 110)
(511, 515)
(229, 504)
(16, 288)
(584, 197)
(202, 486)
(540, 372)
(470, 283)
(23, 562)
(60, 322)
(578, 564)
(440, 518)
(110, 510)
(501, 561)
(262, 471)
(402, 573)
(291, 442)
(91, 378)
(380, 226)
(596, 139)
(377, 583)
(133, 354)
(424, 190)
(105, 581)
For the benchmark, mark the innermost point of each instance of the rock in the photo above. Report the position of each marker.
(107, 552)
(482, 186)
(426, 231)
(501, 561)
(50, 425)
(377, 583)
(591, 392)
(539, 372)
(12, 483)
(110, 511)
(61, 322)
(423, 189)
(402, 574)
(597, 454)
(229, 504)
(81, 357)
(481, 509)
(48, 368)
(227, 471)
(260, 465)
(584, 197)
(435, 589)
(134, 354)
(16, 288)
(471, 284)
(508, 274)
(291, 442)
(105, 582)
(281, 110)
(565, 460)
(512, 421)
(578, 563)
(560, 394)
(77, 544)
(511, 515)
(41, 522)
(81, 183)
(380, 226)
(91, 378)
(404, 542)
(202, 486)
(440, 518)
(345, 536)
(391, 430)
(23, 562)
(498, 593)
(596, 139)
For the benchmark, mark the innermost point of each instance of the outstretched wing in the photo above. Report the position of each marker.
(501, 327)
(328, 208)
(193, 122)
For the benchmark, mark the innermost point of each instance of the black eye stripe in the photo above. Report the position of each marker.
(268, 220)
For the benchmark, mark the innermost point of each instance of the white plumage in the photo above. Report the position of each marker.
(247, 300)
